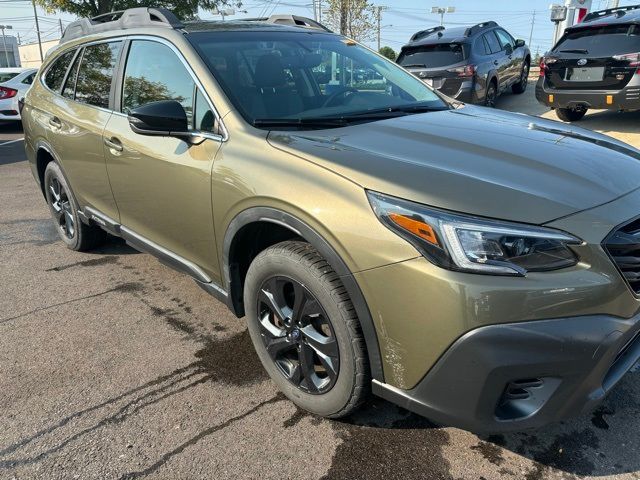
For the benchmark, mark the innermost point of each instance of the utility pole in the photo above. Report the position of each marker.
(61, 29)
(441, 11)
(533, 22)
(379, 9)
(4, 42)
(319, 11)
(35, 15)
(615, 4)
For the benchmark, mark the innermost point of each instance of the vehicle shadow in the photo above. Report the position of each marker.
(612, 122)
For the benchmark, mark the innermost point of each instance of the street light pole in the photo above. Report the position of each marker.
(4, 42)
(35, 14)
(441, 11)
(379, 9)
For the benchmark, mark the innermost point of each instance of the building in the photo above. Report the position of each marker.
(9, 56)
(30, 53)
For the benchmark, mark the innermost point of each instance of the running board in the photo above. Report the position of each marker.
(165, 256)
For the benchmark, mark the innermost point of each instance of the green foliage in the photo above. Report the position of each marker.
(90, 8)
(354, 18)
(388, 52)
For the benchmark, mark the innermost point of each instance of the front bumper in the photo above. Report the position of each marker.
(524, 375)
(625, 99)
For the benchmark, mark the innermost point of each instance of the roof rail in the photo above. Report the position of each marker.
(121, 20)
(425, 33)
(609, 11)
(479, 27)
(294, 20)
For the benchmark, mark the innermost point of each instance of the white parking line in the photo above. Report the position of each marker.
(11, 141)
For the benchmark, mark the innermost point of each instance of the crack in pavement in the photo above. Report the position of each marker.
(125, 287)
(196, 438)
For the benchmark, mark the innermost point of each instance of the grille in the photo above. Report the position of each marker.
(623, 246)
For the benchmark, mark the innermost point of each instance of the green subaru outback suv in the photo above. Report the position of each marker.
(478, 267)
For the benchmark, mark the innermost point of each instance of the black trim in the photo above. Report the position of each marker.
(562, 367)
(266, 214)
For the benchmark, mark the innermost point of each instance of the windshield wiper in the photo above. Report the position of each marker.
(398, 110)
(326, 122)
(575, 50)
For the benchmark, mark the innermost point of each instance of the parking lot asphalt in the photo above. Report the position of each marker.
(112, 366)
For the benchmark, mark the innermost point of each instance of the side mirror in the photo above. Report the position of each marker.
(166, 118)
(520, 43)
(508, 49)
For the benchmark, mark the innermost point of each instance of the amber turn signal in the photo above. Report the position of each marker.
(416, 227)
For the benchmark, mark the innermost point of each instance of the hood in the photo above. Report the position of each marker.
(478, 161)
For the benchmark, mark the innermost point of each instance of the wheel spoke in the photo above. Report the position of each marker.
(271, 296)
(299, 303)
(269, 329)
(308, 368)
(322, 344)
(275, 346)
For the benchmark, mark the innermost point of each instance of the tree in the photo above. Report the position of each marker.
(353, 18)
(388, 52)
(91, 8)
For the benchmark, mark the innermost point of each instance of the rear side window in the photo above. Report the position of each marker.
(93, 85)
(28, 80)
(492, 42)
(429, 56)
(69, 89)
(602, 42)
(55, 75)
(154, 72)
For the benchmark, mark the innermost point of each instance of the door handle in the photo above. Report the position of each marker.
(113, 143)
(55, 122)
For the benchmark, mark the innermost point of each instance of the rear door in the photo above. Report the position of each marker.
(76, 120)
(584, 59)
(500, 61)
(163, 184)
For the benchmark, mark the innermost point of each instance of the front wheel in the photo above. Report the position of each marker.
(305, 329)
(570, 114)
(521, 86)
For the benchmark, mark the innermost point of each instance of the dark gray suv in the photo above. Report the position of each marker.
(471, 64)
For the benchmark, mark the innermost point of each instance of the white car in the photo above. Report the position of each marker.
(14, 83)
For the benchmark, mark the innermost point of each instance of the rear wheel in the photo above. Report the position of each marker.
(491, 95)
(64, 210)
(305, 329)
(570, 114)
(521, 86)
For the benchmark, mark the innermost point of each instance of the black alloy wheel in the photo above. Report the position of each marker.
(298, 335)
(61, 207)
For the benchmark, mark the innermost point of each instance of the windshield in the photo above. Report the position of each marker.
(601, 42)
(432, 56)
(302, 76)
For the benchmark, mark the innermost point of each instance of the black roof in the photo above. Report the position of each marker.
(611, 16)
(437, 35)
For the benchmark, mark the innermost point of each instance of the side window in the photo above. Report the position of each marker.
(93, 85)
(505, 39)
(203, 117)
(481, 47)
(492, 42)
(154, 72)
(55, 75)
(28, 80)
(69, 89)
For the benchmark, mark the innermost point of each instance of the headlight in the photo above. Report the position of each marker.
(472, 244)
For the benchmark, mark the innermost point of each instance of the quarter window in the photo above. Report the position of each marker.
(55, 75)
(154, 72)
(93, 85)
(69, 89)
(203, 117)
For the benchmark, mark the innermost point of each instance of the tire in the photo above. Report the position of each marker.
(521, 86)
(570, 114)
(64, 210)
(491, 95)
(287, 275)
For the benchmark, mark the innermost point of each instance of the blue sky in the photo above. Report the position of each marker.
(402, 18)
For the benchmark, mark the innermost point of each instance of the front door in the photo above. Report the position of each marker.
(162, 185)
